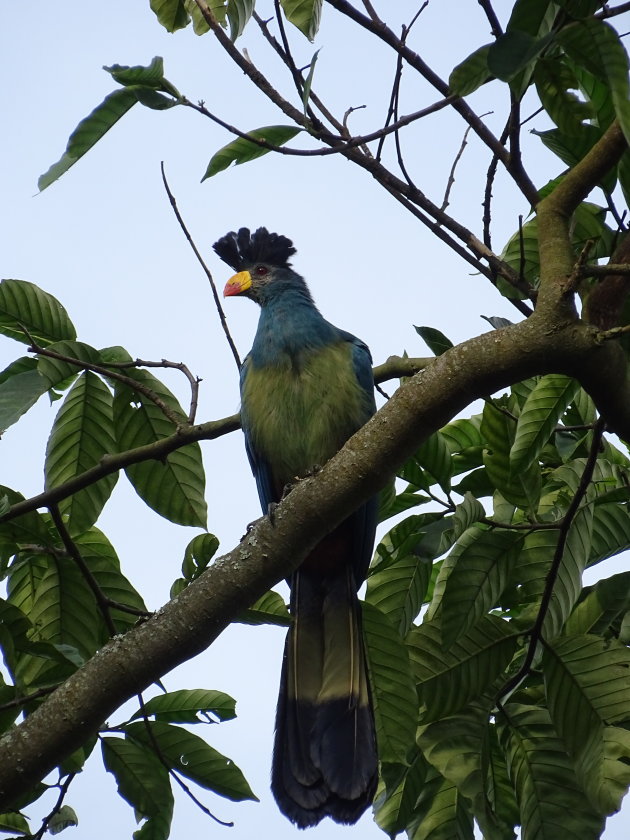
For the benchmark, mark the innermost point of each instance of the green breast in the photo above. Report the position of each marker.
(301, 415)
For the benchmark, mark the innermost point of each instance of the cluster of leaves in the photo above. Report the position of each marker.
(514, 686)
(65, 591)
(578, 68)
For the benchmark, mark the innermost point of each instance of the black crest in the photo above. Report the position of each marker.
(242, 249)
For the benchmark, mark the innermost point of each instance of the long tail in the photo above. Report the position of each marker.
(325, 760)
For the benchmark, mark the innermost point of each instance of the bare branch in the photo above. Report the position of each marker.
(108, 372)
(564, 528)
(385, 34)
(493, 20)
(451, 176)
(208, 273)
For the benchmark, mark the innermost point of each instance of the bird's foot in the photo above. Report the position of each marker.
(297, 478)
(271, 512)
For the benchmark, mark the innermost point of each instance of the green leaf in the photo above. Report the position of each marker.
(434, 456)
(198, 554)
(56, 371)
(61, 607)
(81, 435)
(305, 14)
(270, 608)
(185, 706)
(150, 76)
(173, 487)
(88, 132)
(19, 390)
(535, 17)
(541, 413)
(64, 818)
(572, 146)
(143, 781)
(435, 340)
(587, 681)
(398, 590)
(24, 306)
(463, 434)
(611, 532)
(308, 82)
(441, 813)
(484, 559)
(171, 14)
(554, 80)
(457, 747)
(513, 52)
(243, 150)
(238, 13)
(13, 823)
(393, 692)
(597, 93)
(100, 557)
(580, 8)
(551, 802)
(601, 606)
(447, 680)
(466, 514)
(393, 810)
(28, 528)
(189, 755)
(596, 45)
(471, 73)
(521, 252)
(521, 488)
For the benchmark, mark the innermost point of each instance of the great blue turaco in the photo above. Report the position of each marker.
(306, 387)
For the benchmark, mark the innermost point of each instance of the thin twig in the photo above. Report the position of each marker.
(106, 371)
(385, 34)
(392, 109)
(338, 144)
(164, 363)
(387, 179)
(552, 575)
(63, 790)
(451, 176)
(207, 271)
(487, 197)
(574, 279)
(605, 270)
(86, 572)
(493, 20)
(606, 12)
(264, 28)
(28, 698)
(171, 770)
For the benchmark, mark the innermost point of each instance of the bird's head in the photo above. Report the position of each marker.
(261, 260)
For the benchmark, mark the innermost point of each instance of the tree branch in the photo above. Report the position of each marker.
(189, 623)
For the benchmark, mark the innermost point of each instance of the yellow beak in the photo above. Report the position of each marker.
(238, 284)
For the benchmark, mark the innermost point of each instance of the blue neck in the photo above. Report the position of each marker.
(290, 325)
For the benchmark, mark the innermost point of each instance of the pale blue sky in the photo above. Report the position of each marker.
(105, 242)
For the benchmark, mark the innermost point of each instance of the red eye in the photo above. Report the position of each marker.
(260, 270)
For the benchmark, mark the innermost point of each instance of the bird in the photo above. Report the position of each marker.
(306, 387)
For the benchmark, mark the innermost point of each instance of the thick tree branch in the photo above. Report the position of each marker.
(554, 217)
(189, 623)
